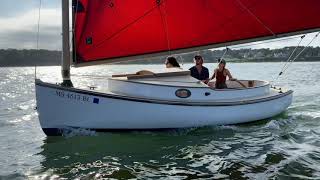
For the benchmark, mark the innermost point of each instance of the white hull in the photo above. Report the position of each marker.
(61, 107)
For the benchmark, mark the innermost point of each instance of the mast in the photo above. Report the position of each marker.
(66, 60)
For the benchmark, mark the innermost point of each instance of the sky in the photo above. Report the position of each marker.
(19, 18)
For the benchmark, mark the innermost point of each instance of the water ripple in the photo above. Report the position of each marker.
(283, 147)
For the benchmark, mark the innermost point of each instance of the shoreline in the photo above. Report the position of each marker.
(230, 61)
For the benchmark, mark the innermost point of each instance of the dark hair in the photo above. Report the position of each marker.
(173, 61)
(197, 57)
(221, 61)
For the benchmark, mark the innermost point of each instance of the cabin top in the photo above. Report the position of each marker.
(168, 72)
(180, 78)
(170, 77)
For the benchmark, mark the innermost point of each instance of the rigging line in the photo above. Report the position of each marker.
(38, 36)
(289, 59)
(296, 56)
(251, 13)
(303, 50)
(123, 28)
(182, 60)
(165, 24)
(225, 52)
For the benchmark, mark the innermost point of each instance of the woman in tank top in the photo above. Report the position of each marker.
(221, 74)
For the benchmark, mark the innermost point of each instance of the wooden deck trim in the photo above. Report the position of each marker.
(152, 75)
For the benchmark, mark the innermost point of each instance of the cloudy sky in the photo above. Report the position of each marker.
(18, 26)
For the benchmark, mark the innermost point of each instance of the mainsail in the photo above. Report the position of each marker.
(121, 30)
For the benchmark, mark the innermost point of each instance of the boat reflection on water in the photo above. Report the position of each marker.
(185, 153)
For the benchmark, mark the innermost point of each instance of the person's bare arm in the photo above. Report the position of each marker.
(230, 76)
(214, 74)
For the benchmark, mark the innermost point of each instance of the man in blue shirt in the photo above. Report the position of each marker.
(199, 71)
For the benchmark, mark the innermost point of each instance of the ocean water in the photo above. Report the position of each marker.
(283, 147)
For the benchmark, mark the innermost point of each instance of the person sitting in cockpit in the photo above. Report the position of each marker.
(171, 62)
(221, 73)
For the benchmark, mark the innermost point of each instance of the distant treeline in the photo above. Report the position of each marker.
(250, 55)
(13, 57)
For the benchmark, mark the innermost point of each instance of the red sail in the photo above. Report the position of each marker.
(113, 30)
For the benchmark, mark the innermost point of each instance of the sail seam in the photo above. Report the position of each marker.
(165, 26)
(251, 13)
(229, 21)
(122, 29)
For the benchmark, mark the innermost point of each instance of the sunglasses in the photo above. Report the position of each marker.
(197, 58)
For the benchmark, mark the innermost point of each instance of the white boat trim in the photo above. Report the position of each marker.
(167, 102)
(181, 86)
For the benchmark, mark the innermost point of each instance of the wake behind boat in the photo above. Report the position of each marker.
(165, 99)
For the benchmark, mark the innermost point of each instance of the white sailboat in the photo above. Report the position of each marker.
(114, 31)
